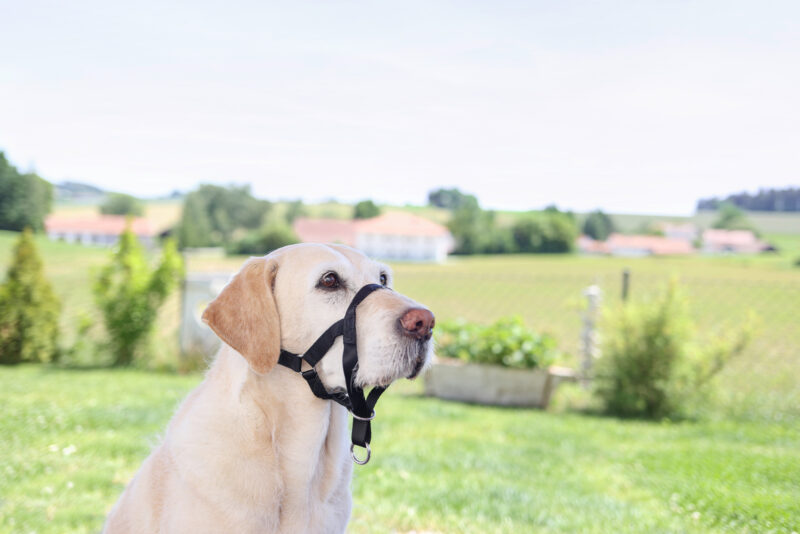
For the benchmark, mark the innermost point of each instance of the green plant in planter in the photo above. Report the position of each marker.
(507, 342)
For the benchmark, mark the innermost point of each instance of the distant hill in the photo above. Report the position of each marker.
(71, 191)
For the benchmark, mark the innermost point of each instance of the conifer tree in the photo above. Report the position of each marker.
(29, 309)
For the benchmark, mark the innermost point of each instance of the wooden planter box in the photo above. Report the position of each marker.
(492, 384)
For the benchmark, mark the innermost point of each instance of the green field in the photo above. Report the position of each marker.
(72, 439)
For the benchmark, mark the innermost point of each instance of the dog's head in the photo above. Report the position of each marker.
(290, 297)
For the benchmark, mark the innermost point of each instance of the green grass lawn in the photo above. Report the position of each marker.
(72, 439)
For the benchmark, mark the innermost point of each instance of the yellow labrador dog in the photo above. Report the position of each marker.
(252, 449)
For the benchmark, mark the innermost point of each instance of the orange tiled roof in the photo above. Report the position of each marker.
(654, 244)
(400, 223)
(99, 225)
(342, 231)
(325, 231)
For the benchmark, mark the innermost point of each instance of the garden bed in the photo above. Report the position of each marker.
(453, 379)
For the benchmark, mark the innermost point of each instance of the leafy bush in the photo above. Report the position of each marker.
(29, 309)
(651, 364)
(366, 209)
(122, 204)
(213, 214)
(273, 236)
(598, 225)
(129, 294)
(549, 231)
(731, 217)
(506, 342)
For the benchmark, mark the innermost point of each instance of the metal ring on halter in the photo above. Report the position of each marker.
(355, 458)
(370, 418)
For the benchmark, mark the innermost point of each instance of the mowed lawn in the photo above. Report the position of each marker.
(72, 439)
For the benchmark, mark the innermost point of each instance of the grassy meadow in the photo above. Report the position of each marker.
(72, 440)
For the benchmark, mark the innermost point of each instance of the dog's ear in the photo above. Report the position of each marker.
(245, 317)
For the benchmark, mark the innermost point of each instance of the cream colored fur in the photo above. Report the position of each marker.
(251, 450)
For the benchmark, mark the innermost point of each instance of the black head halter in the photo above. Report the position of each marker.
(361, 407)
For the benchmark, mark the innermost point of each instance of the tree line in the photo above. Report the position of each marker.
(479, 231)
(765, 200)
(25, 198)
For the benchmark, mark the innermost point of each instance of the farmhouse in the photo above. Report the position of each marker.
(732, 242)
(100, 230)
(635, 246)
(686, 231)
(394, 235)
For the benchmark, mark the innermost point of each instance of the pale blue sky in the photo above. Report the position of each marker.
(629, 106)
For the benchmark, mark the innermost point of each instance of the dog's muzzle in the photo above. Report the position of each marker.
(361, 407)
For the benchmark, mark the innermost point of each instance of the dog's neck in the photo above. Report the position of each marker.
(305, 439)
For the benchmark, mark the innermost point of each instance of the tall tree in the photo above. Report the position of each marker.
(224, 210)
(29, 309)
(25, 199)
(451, 199)
(366, 209)
(732, 218)
(194, 230)
(122, 204)
(560, 232)
(598, 225)
(469, 228)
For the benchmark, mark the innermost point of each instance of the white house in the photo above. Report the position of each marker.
(394, 235)
(101, 230)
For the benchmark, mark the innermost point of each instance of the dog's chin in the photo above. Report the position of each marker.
(421, 363)
(407, 361)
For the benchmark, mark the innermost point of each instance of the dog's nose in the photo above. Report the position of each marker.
(418, 323)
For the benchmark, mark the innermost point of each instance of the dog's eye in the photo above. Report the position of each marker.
(329, 280)
(384, 279)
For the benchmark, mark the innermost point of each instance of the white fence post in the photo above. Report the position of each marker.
(590, 348)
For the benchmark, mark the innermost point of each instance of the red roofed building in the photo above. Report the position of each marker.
(102, 230)
(394, 235)
(732, 241)
(325, 231)
(635, 245)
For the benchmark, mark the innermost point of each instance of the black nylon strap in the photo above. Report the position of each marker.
(324, 343)
(361, 434)
(350, 354)
(290, 360)
(318, 389)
